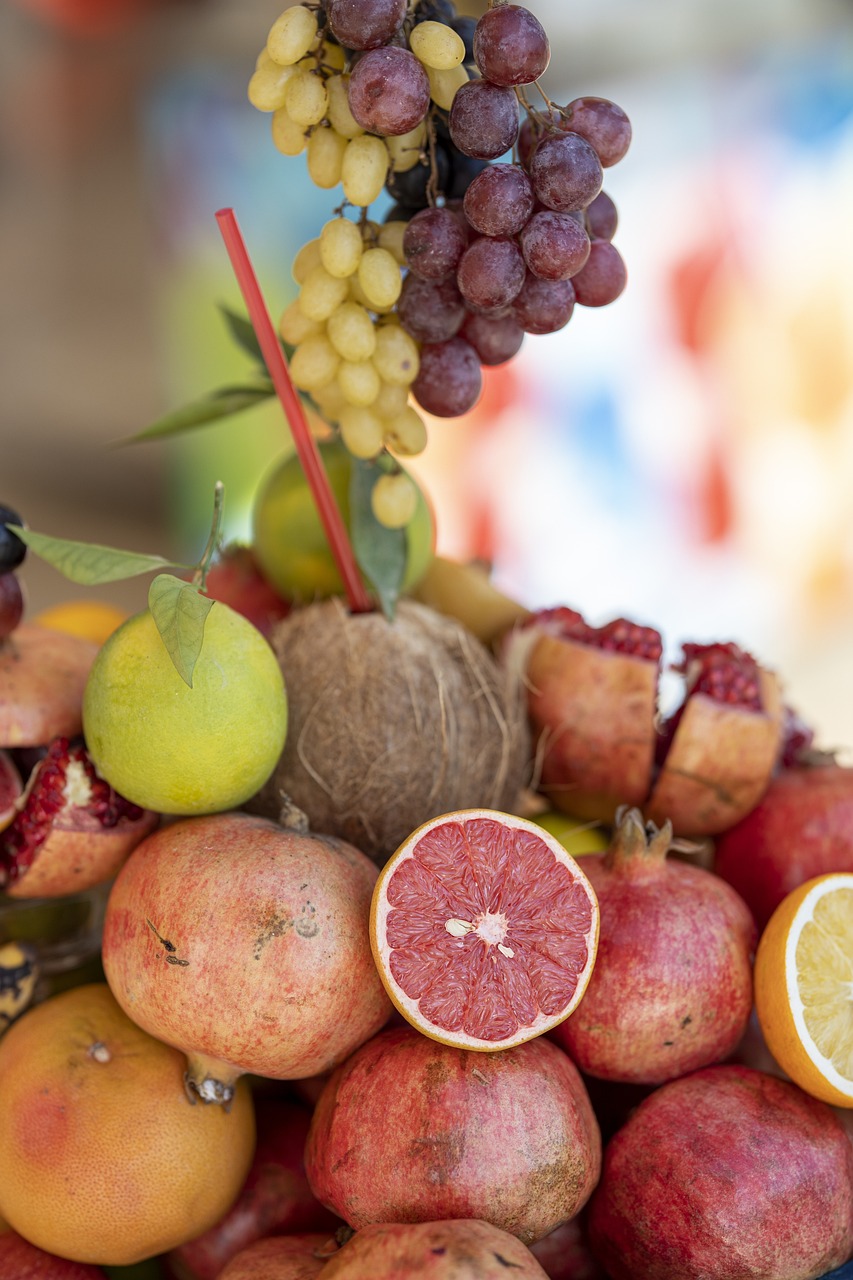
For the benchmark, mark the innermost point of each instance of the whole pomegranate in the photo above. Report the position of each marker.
(297, 1257)
(726, 1173)
(802, 828)
(410, 1130)
(671, 990)
(454, 1250)
(20, 1260)
(245, 945)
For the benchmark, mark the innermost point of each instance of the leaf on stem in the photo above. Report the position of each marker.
(379, 551)
(90, 563)
(180, 612)
(243, 333)
(210, 408)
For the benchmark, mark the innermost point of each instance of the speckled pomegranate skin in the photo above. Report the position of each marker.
(410, 1130)
(234, 939)
(433, 1251)
(727, 1173)
(671, 990)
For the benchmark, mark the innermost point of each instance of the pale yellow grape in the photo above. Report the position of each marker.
(406, 434)
(333, 57)
(396, 358)
(339, 115)
(288, 136)
(314, 363)
(358, 295)
(268, 86)
(351, 332)
(325, 156)
(443, 85)
(393, 500)
(405, 148)
(365, 169)
(391, 400)
(294, 326)
(306, 260)
(329, 399)
(437, 46)
(306, 98)
(341, 247)
(379, 277)
(361, 431)
(263, 59)
(391, 238)
(321, 294)
(359, 381)
(292, 35)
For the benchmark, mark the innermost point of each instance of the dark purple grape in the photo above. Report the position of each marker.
(12, 549)
(601, 217)
(433, 243)
(389, 91)
(491, 272)
(365, 24)
(603, 278)
(435, 11)
(410, 188)
(463, 171)
(555, 245)
(484, 119)
(510, 45)
(495, 339)
(604, 125)
(449, 381)
(565, 172)
(11, 604)
(399, 213)
(544, 306)
(499, 201)
(465, 28)
(431, 311)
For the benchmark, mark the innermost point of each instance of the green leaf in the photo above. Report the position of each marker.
(180, 612)
(210, 408)
(244, 335)
(89, 563)
(380, 552)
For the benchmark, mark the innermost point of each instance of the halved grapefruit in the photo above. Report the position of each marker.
(484, 929)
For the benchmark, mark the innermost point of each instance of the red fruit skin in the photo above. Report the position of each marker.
(42, 677)
(296, 1257)
(671, 990)
(236, 580)
(275, 1200)
(726, 1173)
(20, 1260)
(802, 828)
(451, 1250)
(410, 1130)
(565, 1253)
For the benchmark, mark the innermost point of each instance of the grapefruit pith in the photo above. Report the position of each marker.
(484, 929)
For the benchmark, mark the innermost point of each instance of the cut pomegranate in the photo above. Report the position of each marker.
(73, 831)
(10, 789)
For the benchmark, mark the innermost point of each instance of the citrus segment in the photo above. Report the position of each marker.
(804, 987)
(484, 929)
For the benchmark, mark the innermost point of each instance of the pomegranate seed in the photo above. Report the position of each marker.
(620, 636)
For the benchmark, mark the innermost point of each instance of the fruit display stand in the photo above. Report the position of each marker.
(357, 919)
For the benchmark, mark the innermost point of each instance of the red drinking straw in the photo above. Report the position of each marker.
(306, 445)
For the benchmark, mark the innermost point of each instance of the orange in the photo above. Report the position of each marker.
(484, 929)
(804, 987)
(91, 619)
(103, 1157)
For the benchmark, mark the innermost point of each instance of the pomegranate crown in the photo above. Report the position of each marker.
(638, 842)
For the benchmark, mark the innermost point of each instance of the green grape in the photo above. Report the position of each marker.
(365, 169)
(292, 35)
(443, 85)
(321, 294)
(288, 136)
(358, 295)
(396, 358)
(333, 57)
(361, 431)
(391, 400)
(351, 332)
(329, 399)
(437, 46)
(306, 259)
(294, 326)
(339, 115)
(379, 277)
(314, 363)
(341, 247)
(406, 434)
(391, 238)
(393, 500)
(325, 156)
(405, 148)
(359, 381)
(268, 86)
(305, 97)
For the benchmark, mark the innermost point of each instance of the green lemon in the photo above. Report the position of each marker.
(181, 750)
(576, 837)
(288, 537)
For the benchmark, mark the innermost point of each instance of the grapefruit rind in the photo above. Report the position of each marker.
(407, 1006)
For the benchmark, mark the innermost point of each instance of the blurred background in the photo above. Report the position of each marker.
(683, 457)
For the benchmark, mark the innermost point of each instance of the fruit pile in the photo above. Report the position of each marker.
(430, 947)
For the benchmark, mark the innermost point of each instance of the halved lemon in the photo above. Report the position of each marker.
(804, 987)
(484, 929)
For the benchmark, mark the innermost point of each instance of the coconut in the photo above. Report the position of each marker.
(392, 723)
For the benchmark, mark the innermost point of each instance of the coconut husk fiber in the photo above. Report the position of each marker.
(391, 724)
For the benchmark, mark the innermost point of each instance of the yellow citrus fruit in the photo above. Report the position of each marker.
(576, 836)
(103, 1158)
(289, 540)
(804, 987)
(175, 749)
(484, 930)
(91, 619)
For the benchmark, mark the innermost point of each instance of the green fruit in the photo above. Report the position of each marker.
(288, 538)
(576, 836)
(175, 749)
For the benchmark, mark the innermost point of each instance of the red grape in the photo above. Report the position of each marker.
(554, 245)
(389, 91)
(433, 243)
(365, 24)
(484, 119)
(429, 310)
(499, 201)
(449, 381)
(603, 278)
(543, 306)
(491, 272)
(566, 172)
(495, 339)
(601, 217)
(604, 125)
(510, 45)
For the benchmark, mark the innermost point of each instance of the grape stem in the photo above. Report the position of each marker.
(199, 578)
